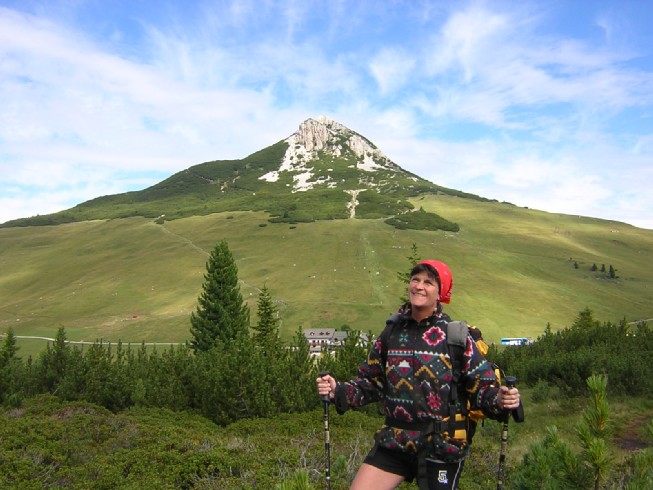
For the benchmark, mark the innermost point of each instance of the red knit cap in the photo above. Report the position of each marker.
(446, 279)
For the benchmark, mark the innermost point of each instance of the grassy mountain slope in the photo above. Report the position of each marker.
(314, 174)
(239, 185)
(136, 280)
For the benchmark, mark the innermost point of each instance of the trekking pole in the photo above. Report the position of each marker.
(518, 415)
(327, 437)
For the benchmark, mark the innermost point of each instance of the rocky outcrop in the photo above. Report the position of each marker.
(328, 137)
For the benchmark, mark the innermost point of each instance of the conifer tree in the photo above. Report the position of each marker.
(9, 348)
(585, 320)
(53, 362)
(593, 429)
(221, 312)
(267, 329)
(10, 369)
(404, 276)
(294, 384)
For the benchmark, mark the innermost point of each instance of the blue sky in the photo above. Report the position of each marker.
(547, 105)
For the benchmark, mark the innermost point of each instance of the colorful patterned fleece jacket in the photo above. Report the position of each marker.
(409, 368)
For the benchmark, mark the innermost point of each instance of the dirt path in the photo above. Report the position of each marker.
(631, 437)
(84, 342)
(352, 205)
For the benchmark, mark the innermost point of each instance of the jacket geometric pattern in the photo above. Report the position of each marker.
(410, 370)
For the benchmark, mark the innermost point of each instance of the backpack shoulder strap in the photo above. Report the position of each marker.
(392, 321)
(457, 342)
(457, 334)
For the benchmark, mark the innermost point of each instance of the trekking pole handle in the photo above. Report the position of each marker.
(325, 398)
(517, 413)
(511, 381)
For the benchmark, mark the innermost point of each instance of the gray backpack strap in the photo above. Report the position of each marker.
(457, 343)
(392, 320)
(390, 324)
(457, 333)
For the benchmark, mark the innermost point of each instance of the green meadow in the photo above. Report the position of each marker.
(134, 280)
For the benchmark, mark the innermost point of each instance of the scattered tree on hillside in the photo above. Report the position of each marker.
(404, 276)
(221, 312)
(610, 273)
(585, 320)
(9, 348)
(266, 331)
(54, 362)
(11, 370)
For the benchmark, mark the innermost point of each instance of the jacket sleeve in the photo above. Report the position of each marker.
(481, 382)
(370, 384)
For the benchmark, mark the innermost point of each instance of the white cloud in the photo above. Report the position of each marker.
(466, 41)
(391, 69)
(486, 97)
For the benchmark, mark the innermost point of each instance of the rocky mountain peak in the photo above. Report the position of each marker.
(316, 134)
(328, 135)
(324, 137)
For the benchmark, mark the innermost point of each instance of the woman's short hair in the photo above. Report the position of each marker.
(431, 271)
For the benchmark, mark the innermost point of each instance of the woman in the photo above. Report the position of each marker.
(410, 368)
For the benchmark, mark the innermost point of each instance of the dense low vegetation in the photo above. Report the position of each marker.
(566, 358)
(421, 220)
(236, 417)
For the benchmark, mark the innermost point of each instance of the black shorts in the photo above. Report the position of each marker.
(394, 462)
(435, 475)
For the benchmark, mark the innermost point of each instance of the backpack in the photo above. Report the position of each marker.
(456, 340)
(457, 332)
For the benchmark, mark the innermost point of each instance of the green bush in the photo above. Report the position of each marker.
(541, 391)
(566, 358)
(421, 220)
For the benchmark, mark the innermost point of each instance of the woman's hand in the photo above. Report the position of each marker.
(326, 385)
(508, 398)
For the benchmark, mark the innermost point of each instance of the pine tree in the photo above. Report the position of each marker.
(593, 429)
(221, 312)
(266, 334)
(585, 320)
(9, 348)
(53, 362)
(294, 377)
(11, 370)
(404, 276)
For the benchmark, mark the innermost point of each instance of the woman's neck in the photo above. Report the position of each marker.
(420, 314)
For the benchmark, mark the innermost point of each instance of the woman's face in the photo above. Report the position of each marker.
(423, 291)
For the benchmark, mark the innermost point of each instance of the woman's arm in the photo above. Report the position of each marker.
(370, 384)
